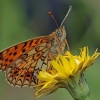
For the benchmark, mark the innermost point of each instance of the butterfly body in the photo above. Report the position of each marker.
(23, 62)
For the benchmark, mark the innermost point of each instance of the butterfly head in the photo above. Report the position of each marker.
(61, 33)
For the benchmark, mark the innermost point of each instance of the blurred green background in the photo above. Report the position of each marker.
(24, 19)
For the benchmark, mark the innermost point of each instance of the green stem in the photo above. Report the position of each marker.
(87, 98)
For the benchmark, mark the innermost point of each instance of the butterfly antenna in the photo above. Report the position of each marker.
(66, 15)
(50, 13)
(62, 24)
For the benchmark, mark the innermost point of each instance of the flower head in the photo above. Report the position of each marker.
(67, 73)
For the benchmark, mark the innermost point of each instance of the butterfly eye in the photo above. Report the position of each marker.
(59, 33)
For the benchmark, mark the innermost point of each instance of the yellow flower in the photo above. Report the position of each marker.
(67, 73)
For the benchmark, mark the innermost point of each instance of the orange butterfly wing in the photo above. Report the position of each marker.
(23, 61)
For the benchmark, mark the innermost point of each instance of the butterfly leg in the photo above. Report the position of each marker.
(66, 43)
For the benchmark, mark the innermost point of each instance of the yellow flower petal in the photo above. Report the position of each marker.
(45, 75)
(58, 67)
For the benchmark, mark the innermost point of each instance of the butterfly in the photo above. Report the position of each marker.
(23, 61)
